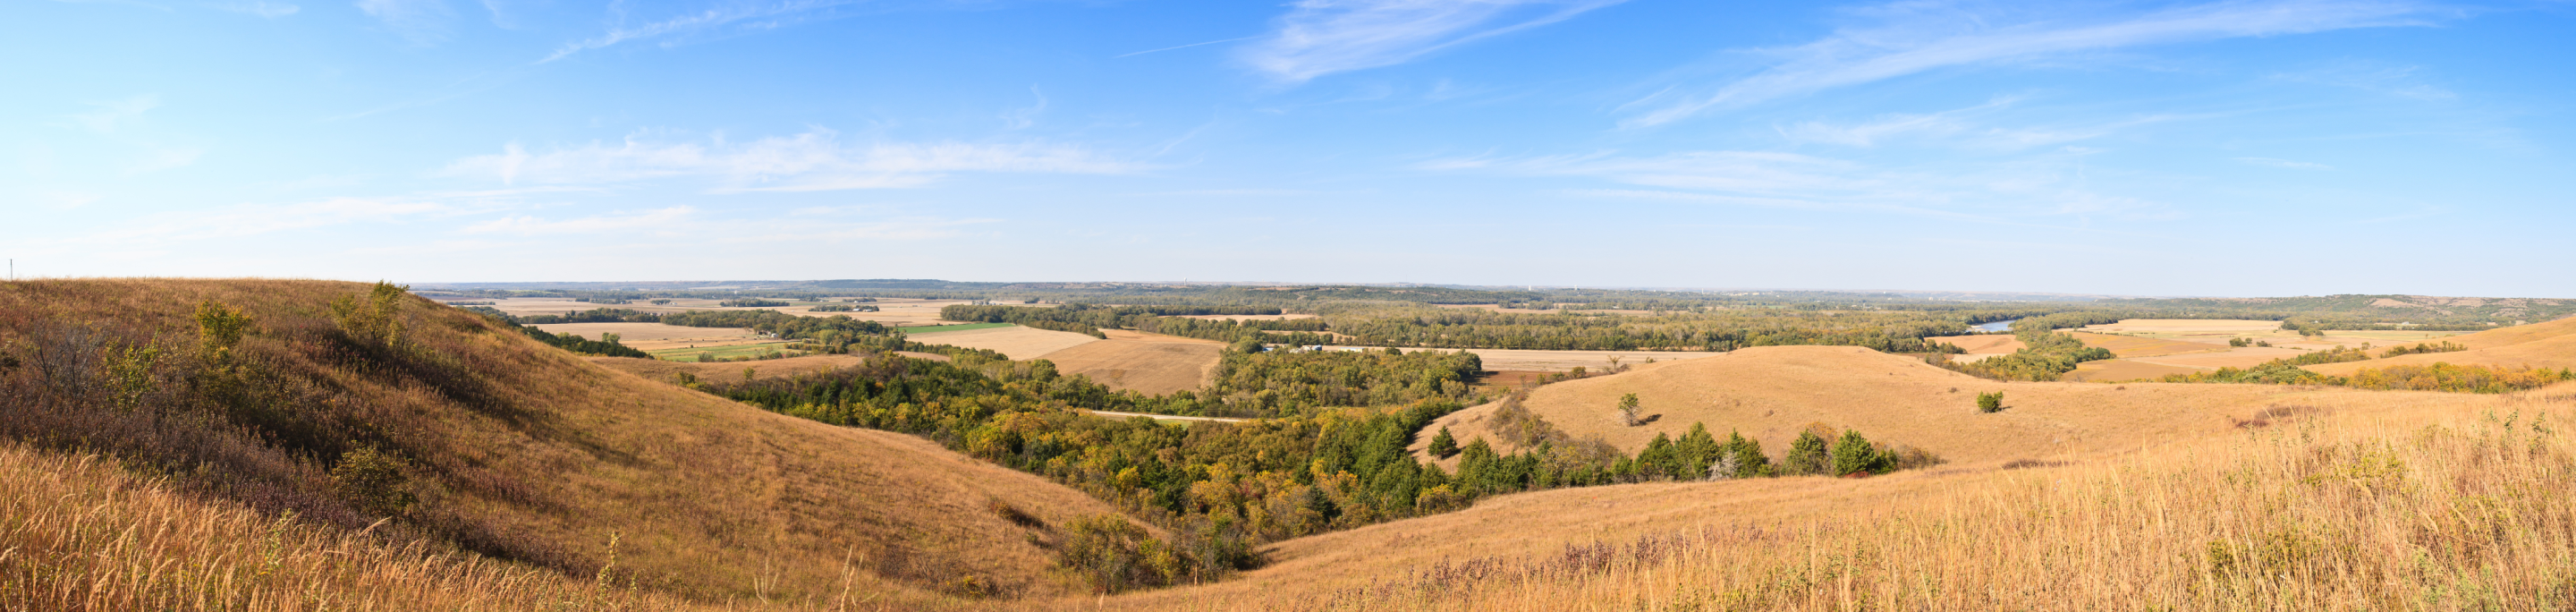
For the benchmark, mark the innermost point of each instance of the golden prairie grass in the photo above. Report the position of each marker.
(1771, 394)
(534, 454)
(2398, 510)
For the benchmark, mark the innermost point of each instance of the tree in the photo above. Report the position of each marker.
(1807, 455)
(1628, 410)
(1444, 446)
(1854, 454)
(1990, 402)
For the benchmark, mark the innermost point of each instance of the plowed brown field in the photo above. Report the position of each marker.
(1153, 364)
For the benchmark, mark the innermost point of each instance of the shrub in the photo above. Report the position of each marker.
(1807, 455)
(1990, 402)
(372, 480)
(1114, 555)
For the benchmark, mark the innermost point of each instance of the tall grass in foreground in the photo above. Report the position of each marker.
(2473, 516)
(79, 533)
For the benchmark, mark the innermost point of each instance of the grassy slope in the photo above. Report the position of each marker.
(2397, 500)
(1772, 393)
(540, 455)
(2544, 345)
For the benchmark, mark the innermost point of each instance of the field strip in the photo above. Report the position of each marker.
(933, 329)
(1165, 417)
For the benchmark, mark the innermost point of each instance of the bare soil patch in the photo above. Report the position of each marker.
(1557, 361)
(656, 336)
(2130, 346)
(1983, 344)
(1152, 364)
(1014, 341)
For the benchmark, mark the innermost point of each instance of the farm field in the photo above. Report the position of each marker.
(1984, 344)
(933, 329)
(656, 336)
(1555, 361)
(2244, 357)
(667, 369)
(1012, 340)
(1152, 364)
(2108, 370)
(1285, 316)
(2129, 346)
(2218, 331)
(692, 354)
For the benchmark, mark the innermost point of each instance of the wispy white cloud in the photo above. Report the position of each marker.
(2048, 187)
(2283, 163)
(665, 218)
(1969, 127)
(271, 10)
(117, 115)
(2400, 81)
(420, 21)
(714, 19)
(1023, 117)
(255, 219)
(1320, 37)
(813, 161)
(1918, 37)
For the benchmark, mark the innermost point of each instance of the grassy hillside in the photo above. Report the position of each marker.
(2374, 502)
(452, 435)
(2540, 345)
(1772, 393)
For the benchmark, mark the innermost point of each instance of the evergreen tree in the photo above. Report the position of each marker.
(1854, 454)
(1807, 455)
(1444, 446)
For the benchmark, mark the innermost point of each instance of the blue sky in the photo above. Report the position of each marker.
(2228, 148)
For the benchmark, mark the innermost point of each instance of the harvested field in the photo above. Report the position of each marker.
(1772, 393)
(933, 329)
(1277, 317)
(2129, 346)
(1015, 341)
(1556, 361)
(2231, 358)
(656, 336)
(666, 370)
(2109, 370)
(1983, 344)
(2187, 326)
(692, 354)
(1153, 364)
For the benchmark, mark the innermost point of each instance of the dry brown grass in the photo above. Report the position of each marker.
(1015, 341)
(1772, 393)
(2539, 345)
(1152, 364)
(2365, 502)
(547, 455)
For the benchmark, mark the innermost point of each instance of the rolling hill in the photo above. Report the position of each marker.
(500, 446)
(2541, 345)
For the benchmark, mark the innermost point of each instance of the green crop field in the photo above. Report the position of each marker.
(932, 329)
(719, 352)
